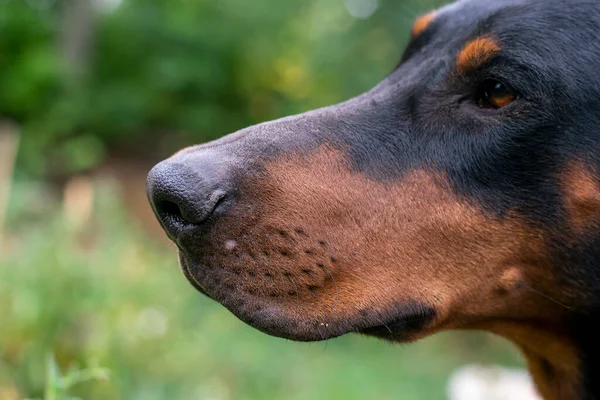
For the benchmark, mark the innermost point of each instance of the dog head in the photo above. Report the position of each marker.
(461, 192)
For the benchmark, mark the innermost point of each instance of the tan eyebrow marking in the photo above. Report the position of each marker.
(422, 23)
(476, 53)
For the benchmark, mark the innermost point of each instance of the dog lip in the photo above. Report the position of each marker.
(190, 277)
(272, 318)
(402, 327)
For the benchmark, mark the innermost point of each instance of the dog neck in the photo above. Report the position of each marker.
(563, 363)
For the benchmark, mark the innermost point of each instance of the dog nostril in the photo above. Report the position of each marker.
(183, 199)
(170, 210)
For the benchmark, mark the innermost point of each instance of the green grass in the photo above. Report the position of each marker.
(107, 296)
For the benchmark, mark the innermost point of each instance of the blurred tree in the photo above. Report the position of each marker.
(78, 19)
(153, 76)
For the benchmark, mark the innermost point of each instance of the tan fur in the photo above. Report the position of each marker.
(476, 53)
(422, 23)
(581, 194)
(323, 245)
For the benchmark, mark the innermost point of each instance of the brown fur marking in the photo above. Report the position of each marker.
(476, 53)
(326, 245)
(422, 23)
(581, 194)
(387, 235)
(406, 241)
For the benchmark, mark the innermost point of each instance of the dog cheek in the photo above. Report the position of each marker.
(407, 240)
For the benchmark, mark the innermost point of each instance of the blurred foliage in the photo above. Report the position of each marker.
(103, 295)
(165, 74)
(59, 385)
(162, 75)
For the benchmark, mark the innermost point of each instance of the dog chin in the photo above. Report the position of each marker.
(405, 324)
(190, 278)
(275, 321)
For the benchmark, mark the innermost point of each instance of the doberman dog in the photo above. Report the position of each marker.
(462, 192)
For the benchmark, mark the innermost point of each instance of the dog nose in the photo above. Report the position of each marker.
(182, 198)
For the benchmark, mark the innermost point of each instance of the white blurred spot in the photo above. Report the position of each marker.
(230, 245)
(41, 4)
(361, 9)
(107, 5)
(475, 382)
(151, 323)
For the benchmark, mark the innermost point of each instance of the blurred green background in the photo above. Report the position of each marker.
(92, 94)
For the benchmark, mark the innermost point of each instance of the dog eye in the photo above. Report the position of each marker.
(494, 94)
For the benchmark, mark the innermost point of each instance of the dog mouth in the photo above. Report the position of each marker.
(403, 328)
(404, 322)
(190, 277)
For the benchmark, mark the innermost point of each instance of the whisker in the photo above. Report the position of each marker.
(337, 297)
(385, 326)
(377, 316)
(321, 334)
(544, 295)
(295, 286)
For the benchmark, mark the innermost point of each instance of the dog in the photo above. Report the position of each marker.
(462, 192)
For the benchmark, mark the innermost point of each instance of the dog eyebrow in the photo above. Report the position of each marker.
(476, 53)
(422, 23)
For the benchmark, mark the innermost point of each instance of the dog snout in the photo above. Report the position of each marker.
(183, 196)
